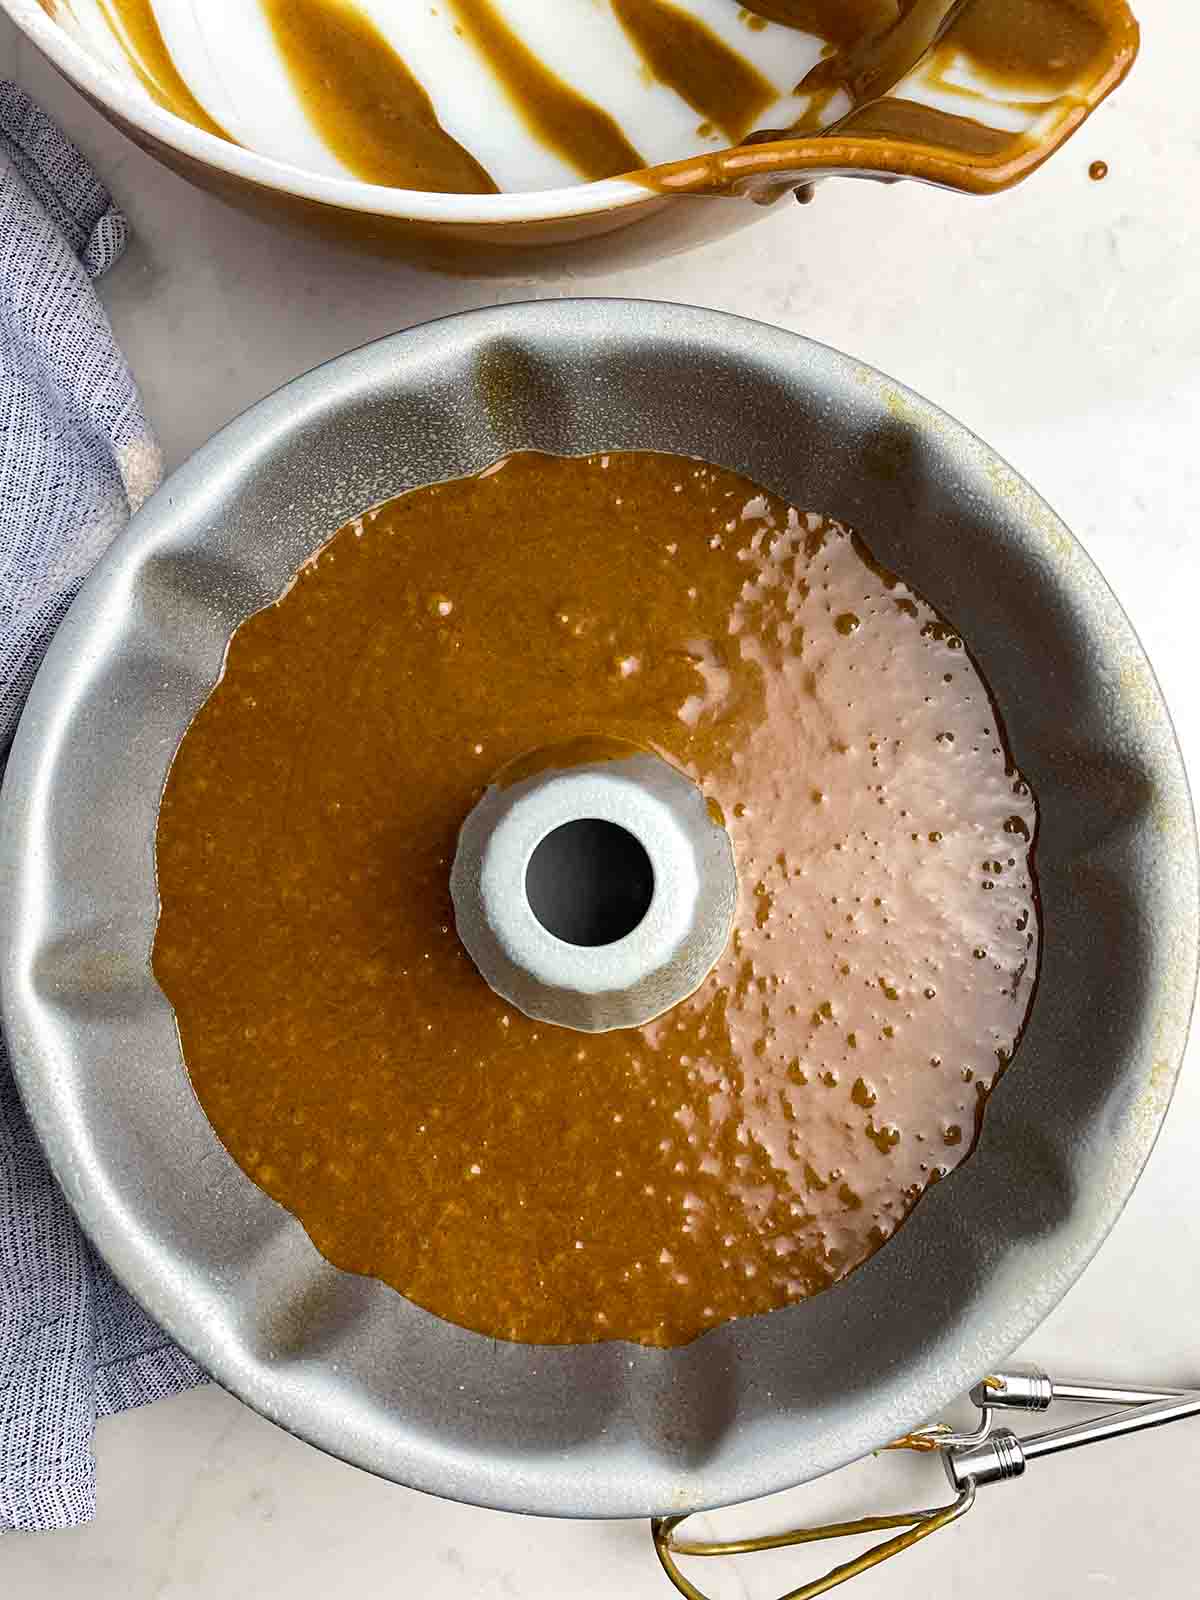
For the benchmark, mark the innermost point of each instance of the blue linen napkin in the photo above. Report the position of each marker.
(77, 457)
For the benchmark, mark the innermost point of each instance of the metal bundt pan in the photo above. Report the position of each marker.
(608, 1429)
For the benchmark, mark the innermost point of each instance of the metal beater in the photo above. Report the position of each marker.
(988, 1454)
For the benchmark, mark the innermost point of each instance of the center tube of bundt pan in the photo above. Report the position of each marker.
(592, 885)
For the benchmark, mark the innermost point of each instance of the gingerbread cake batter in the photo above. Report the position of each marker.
(745, 1150)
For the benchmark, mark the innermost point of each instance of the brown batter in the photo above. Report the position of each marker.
(750, 1147)
(371, 111)
(679, 50)
(564, 120)
(151, 61)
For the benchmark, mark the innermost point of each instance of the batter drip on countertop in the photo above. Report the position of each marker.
(756, 1143)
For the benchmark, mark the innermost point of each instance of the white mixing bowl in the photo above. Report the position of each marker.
(167, 72)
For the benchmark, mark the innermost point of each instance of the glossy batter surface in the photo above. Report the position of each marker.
(755, 1144)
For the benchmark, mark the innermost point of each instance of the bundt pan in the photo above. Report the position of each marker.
(609, 1429)
(388, 125)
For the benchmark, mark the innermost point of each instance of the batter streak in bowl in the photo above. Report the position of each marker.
(472, 97)
(751, 1146)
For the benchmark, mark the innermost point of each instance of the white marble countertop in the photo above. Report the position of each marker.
(1062, 323)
